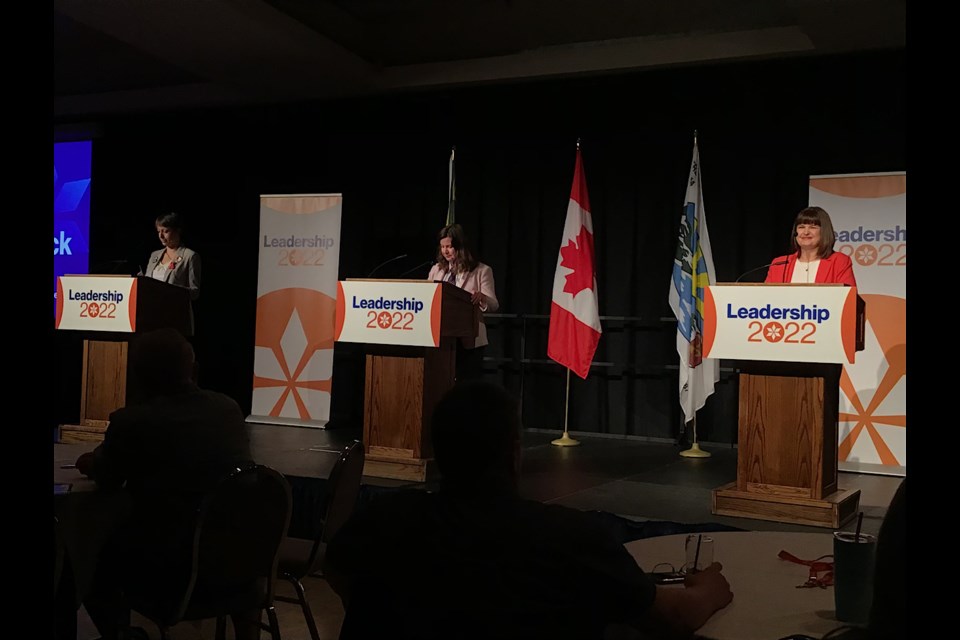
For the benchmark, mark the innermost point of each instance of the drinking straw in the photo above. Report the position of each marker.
(856, 537)
(696, 556)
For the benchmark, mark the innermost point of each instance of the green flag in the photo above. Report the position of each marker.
(452, 189)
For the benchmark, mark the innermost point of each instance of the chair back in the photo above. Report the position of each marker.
(239, 526)
(344, 489)
(59, 553)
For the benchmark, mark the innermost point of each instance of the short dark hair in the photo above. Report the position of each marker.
(161, 359)
(171, 220)
(475, 430)
(819, 217)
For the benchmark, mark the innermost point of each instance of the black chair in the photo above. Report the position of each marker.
(299, 557)
(64, 594)
(59, 552)
(237, 535)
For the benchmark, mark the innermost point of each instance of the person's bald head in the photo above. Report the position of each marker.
(475, 431)
(161, 360)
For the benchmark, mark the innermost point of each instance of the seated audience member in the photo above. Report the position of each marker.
(888, 612)
(168, 450)
(476, 561)
(888, 609)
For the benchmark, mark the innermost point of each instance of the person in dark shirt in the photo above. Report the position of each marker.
(888, 607)
(167, 451)
(888, 612)
(474, 560)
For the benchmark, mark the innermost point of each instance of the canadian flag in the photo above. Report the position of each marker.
(574, 311)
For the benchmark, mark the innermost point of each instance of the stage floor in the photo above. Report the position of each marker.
(631, 478)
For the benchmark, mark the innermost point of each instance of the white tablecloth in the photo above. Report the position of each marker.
(766, 603)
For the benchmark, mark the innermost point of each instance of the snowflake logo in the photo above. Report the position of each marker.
(384, 320)
(773, 332)
(865, 255)
(871, 417)
(294, 344)
(578, 256)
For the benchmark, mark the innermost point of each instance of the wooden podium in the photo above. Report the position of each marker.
(111, 310)
(791, 342)
(410, 328)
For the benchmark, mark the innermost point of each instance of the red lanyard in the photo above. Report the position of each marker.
(817, 567)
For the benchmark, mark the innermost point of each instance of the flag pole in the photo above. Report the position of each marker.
(452, 187)
(566, 440)
(695, 451)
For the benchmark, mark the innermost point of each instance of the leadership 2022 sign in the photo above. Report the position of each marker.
(96, 303)
(378, 312)
(786, 323)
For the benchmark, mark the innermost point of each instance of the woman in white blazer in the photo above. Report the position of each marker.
(456, 264)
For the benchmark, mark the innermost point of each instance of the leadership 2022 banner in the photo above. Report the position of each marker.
(296, 306)
(869, 213)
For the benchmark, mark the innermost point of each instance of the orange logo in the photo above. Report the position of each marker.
(876, 255)
(865, 255)
(887, 317)
(295, 325)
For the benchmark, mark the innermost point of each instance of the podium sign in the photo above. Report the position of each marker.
(97, 303)
(403, 313)
(785, 323)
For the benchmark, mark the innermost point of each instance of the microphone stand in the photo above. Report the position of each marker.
(766, 266)
(385, 263)
(416, 268)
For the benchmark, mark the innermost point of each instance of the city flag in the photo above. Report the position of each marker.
(574, 312)
(692, 271)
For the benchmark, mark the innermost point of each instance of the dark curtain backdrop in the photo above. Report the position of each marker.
(764, 127)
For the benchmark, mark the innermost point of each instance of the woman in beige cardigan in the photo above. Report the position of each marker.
(457, 265)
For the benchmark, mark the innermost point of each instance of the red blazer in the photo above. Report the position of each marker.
(838, 268)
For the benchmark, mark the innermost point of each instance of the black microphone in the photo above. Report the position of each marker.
(417, 268)
(385, 263)
(766, 266)
(112, 267)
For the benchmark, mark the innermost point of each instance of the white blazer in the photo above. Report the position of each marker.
(480, 279)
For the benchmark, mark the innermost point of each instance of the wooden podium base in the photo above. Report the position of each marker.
(77, 433)
(410, 469)
(833, 511)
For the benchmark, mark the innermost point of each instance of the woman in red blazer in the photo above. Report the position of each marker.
(813, 258)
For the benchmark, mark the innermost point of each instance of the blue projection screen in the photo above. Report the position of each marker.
(71, 209)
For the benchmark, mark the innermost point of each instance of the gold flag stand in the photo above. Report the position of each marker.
(565, 440)
(695, 451)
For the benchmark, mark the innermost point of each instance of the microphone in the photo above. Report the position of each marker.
(112, 267)
(417, 268)
(766, 266)
(385, 263)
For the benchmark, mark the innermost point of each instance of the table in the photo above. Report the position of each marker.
(86, 516)
(67, 454)
(766, 603)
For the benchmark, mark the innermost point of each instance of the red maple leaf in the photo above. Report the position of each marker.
(578, 255)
